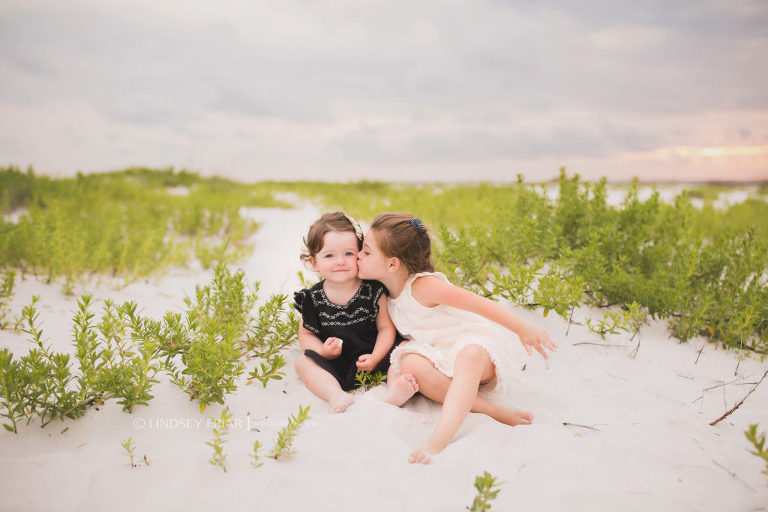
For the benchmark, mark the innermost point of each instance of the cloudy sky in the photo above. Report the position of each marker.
(397, 90)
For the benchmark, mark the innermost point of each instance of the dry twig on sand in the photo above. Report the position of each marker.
(580, 426)
(599, 344)
(734, 475)
(698, 355)
(730, 411)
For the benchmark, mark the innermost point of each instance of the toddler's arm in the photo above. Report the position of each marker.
(384, 340)
(331, 349)
(431, 291)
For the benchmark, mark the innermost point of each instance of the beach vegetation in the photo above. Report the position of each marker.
(628, 320)
(369, 380)
(46, 385)
(116, 360)
(554, 246)
(220, 430)
(700, 267)
(131, 353)
(703, 270)
(274, 329)
(220, 331)
(122, 355)
(487, 488)
(10, 381)
(283, 446)
(209, 341)
(758, 442)
(308, 282)
(256, 461)
(7, 282)
(129, 448)
(127, 224)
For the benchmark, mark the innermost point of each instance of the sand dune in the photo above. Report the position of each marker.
(637, 436)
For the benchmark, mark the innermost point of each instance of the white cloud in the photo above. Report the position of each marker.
(352, 89)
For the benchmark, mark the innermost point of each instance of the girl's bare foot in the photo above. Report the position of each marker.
(339, 402)
(513, 417)
(426, 454)
(401, 390)
(422, 455)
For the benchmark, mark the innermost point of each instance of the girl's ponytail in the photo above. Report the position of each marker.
(406, 238)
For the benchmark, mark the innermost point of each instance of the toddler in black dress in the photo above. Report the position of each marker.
(345, 326)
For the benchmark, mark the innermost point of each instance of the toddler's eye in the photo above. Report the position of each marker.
(350, 253)
(329, 256)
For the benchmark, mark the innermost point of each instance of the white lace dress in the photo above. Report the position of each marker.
(440, 332)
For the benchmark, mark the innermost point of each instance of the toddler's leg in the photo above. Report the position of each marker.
(322, 384)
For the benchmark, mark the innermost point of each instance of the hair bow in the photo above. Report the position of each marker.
(416, 222)
(355, 226)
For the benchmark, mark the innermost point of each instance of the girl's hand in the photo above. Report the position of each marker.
(366, 362)
(535, 338)
(331, 348)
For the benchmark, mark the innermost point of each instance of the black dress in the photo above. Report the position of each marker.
(354, 323)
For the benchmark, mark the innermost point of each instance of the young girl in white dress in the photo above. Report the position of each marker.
(452, 350)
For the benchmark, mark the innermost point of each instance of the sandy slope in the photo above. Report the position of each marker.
(649, 448)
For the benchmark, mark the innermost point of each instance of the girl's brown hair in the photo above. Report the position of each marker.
(400, 235)
(333, 221)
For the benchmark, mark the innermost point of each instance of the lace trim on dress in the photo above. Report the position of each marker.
(500, 385)
(368, 292)
(364, 291)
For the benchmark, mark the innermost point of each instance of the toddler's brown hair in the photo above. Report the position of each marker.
(332, 221)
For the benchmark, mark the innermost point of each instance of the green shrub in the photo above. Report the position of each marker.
(122, 355)
(701, 270)
(487, 490)
(128, 223)
(758, 441)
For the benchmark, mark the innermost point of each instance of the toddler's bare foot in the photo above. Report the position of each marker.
(401, 390)
(339, 402)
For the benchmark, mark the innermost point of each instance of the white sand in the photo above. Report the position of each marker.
(650, 447)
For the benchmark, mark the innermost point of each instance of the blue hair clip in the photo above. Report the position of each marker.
(416, 222)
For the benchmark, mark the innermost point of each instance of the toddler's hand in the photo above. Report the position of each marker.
(533, 337)
(332, 348)
(366, 362)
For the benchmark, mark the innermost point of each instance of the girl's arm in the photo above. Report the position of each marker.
(384, 340)
(331, 349)
(431, 291)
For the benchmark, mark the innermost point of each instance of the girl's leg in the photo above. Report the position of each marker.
(434, 385)
(400, 388)
(458, 395)
(322, 384)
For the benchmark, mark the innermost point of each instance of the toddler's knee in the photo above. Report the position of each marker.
(300, 363)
